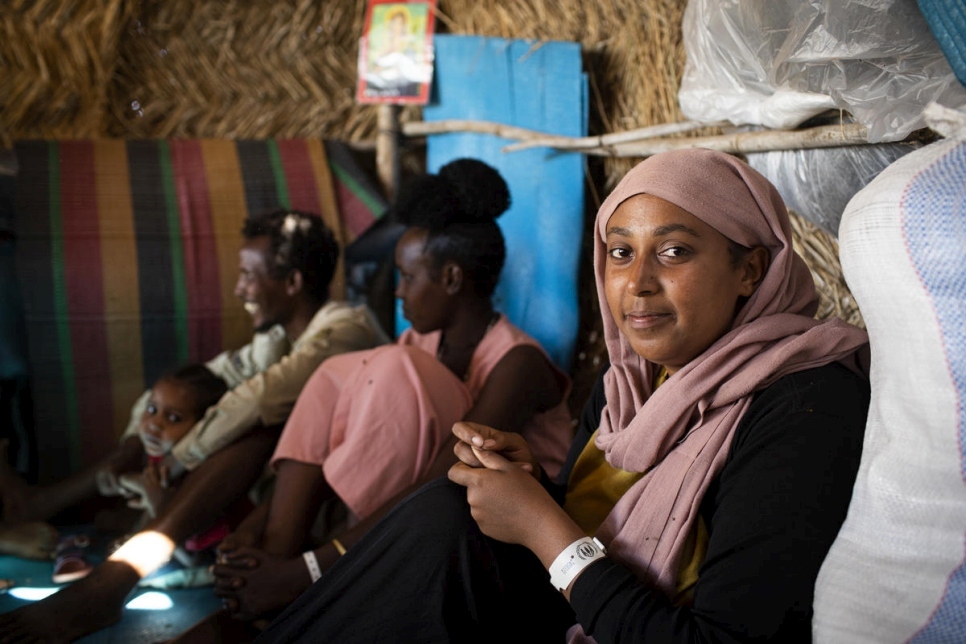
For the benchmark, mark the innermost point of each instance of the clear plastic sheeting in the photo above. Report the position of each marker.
(818, 184)
(777, 63)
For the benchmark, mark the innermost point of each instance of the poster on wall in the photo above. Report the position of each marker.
(396, 52)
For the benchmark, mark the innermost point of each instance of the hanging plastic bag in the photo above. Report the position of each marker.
(818, 184)
(778, 62)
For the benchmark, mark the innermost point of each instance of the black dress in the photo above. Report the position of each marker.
(425, 573)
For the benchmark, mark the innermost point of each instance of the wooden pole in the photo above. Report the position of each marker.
(387, 149)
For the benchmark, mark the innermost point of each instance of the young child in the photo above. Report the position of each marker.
(176, 402)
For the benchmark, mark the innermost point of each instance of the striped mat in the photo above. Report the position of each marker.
(127, 256)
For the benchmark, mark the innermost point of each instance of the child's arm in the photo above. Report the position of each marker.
(128, 457)
(150, 489)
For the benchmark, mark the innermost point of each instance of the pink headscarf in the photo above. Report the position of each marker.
(773, 334)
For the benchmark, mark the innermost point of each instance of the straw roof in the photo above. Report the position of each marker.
(267, 68)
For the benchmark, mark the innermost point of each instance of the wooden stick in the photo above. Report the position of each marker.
(387, 149)
(591, 142)
(642, 142)
(425, 128)
(534, 138)
(825, 136)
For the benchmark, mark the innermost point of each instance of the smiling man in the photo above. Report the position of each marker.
(285, 266)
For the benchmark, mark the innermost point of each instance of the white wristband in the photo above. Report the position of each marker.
(312, 564)
(573, 559)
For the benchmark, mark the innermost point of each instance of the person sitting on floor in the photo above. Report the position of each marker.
(370, 427)
(176, 402)
(713, 466)
(286, 264)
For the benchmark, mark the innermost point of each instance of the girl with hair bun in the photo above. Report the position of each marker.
(370, 427)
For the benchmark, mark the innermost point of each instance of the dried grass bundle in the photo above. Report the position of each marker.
(820, 250)
(57, 62)
(239, 70)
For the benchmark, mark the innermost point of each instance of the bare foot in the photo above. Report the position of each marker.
(254, 583)
(34, 540)
(86, 606)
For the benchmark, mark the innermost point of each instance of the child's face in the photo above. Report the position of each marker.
(168, 417)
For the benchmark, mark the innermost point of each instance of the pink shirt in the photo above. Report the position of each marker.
(549, 434)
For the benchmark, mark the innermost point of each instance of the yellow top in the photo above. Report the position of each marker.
(594, 488)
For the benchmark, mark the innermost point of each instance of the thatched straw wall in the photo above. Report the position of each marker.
(268, 68)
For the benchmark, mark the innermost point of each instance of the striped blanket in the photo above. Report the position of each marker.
(127, 256)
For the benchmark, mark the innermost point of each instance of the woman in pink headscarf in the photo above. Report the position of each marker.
(711, 471)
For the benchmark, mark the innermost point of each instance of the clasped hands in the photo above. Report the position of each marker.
(253, 583)
(502, 481)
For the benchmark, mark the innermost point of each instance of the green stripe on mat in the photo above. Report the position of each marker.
(278, 171)
(375, 207)
(60, 305)
(180, 287)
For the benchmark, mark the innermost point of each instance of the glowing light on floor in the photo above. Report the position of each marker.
(31, 594)
(151, 600)
(145, 552)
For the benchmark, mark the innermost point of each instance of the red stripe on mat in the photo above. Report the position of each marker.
(355, 213)
(202, 277)
(303, 194)
(84, 280)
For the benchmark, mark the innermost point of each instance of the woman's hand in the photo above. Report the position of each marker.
(512, 446)
(511, 506)
(505, 500)
(253, 583)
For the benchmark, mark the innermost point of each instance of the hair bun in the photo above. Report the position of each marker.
(465, 191)
(426, 201)
(481, 191)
